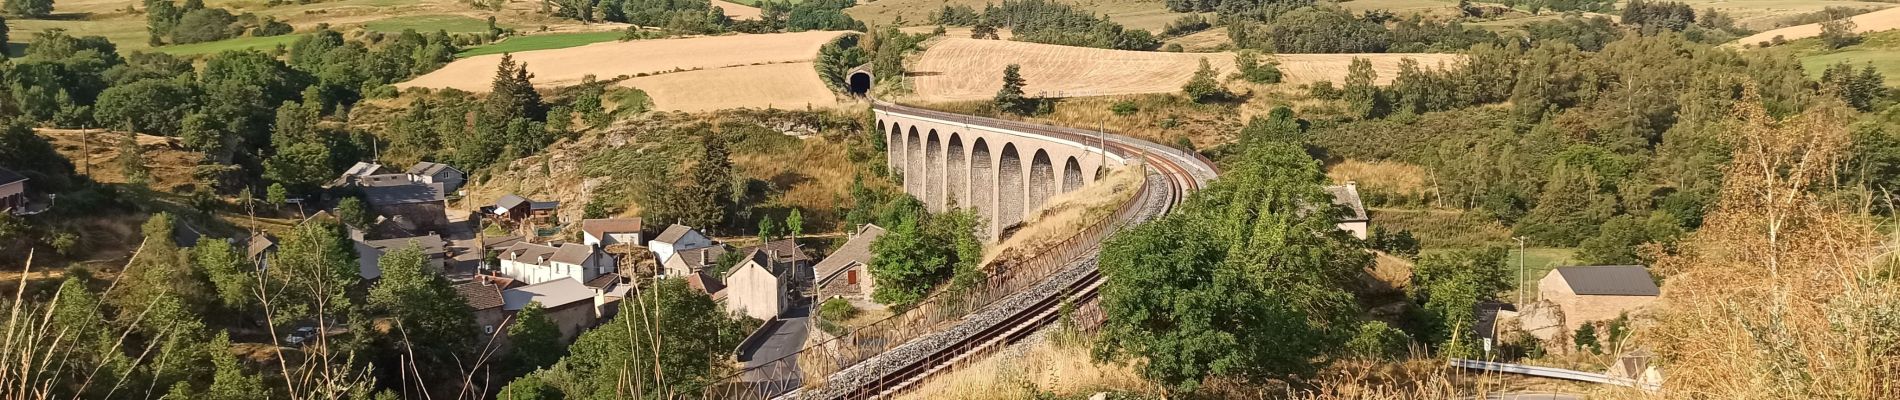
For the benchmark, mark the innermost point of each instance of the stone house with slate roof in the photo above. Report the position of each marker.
(760, 286)
(847, 272)
(428, 172)
(604, 232)
(1598, 293)
(411, 206)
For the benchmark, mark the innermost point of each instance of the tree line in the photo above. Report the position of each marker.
(701, 17)
(1050, 22)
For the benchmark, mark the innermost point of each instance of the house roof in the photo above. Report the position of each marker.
(358, 170)
(673, 234)
(509, 202)
(430, 169)
(760, 257)
(431, 244)
(479, 295)
(500, 242)
(1609, 280)
(704, 283)
(8, 176)
(573, 253)
(601, 227)
(854, 251)
(261, 243)
(551, 294)
(787, 250)
(525, 252)
(604, 280)
(366, 258)
(1347, 196)
(404, 193)
(543, 205)
(701, 257)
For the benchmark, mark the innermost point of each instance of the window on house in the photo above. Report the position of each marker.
(488, 329)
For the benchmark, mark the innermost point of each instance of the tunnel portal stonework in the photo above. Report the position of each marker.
(1003, 175)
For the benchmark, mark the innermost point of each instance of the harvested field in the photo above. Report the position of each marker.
(1207, 40)
(608, 60)
(1869, 22)
(957, 69)
(786, 85)
(1763, 14)
(737, 11)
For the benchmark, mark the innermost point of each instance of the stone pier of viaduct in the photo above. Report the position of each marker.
(1000, 173)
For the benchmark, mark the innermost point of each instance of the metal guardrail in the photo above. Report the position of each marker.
(1556, 373)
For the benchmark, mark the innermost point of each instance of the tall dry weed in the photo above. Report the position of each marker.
(1781, 294)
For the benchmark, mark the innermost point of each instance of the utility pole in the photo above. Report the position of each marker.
(1520, 272)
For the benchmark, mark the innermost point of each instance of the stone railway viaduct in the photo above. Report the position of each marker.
(1002, 174)
(948, 160)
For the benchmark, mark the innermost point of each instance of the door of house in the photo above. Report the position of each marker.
(851, 277)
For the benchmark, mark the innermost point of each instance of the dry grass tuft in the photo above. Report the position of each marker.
(1389, 176)
(1066, 214)
(1061, 368)
(1782, 293)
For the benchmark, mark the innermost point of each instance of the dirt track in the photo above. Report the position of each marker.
(958, 69)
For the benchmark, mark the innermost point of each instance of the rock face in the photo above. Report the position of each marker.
(1542, 319)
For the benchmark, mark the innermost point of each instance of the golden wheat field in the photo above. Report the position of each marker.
(793, 85)
(1869, 22)
(567, 66)
(736, 10)
(958, 69)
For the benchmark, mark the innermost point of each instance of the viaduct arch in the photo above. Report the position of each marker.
(1002, 174)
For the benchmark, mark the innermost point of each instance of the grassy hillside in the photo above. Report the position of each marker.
(1882, 49)
(124, 22)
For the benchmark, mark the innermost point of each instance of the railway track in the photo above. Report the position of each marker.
(1171, 175)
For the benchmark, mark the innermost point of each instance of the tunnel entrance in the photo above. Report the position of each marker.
(859, 83)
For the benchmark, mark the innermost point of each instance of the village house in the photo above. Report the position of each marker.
(411, 207)
(675, 239)
(359, 173)
(847, 272)
(1597, 293)
(603, 232)
(428, 172)
(759, 286)
(1355, 221)
(533, 263)
(698, 260)
(573, 306)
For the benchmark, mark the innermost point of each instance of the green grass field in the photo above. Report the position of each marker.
(1436, 229)
(428, 23)
(541, 42)
(1882, 49)
(243, 43)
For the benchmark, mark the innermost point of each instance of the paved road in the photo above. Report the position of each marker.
(771, 363)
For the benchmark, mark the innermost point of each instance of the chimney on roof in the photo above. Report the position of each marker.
(543, 260)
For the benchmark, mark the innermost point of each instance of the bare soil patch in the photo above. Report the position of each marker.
(559, 67)
(957, 69)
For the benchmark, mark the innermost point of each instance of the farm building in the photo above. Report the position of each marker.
(604, 232)
(677, 238)
(432, 246)
(517, 209)
(359, 173)
(12, 190)
(428, 172)
(1355, 220)
(572, 305)
(760, 286)
(414, 207)
(847, 272)
(533, 263)
(261, 246)
(1597, 293)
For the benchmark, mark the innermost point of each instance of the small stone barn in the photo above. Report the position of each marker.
(1598, 293)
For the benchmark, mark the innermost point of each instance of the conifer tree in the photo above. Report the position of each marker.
(1010, 98)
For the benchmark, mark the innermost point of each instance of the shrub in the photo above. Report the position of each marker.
(1124, 108)
(837, 310)
(1376, 340)
(1251, 70)
(1586, 338)
(1839, 33)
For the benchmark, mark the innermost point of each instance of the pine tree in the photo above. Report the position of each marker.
(1203, 87)
(1010, 99)
(132, 159)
